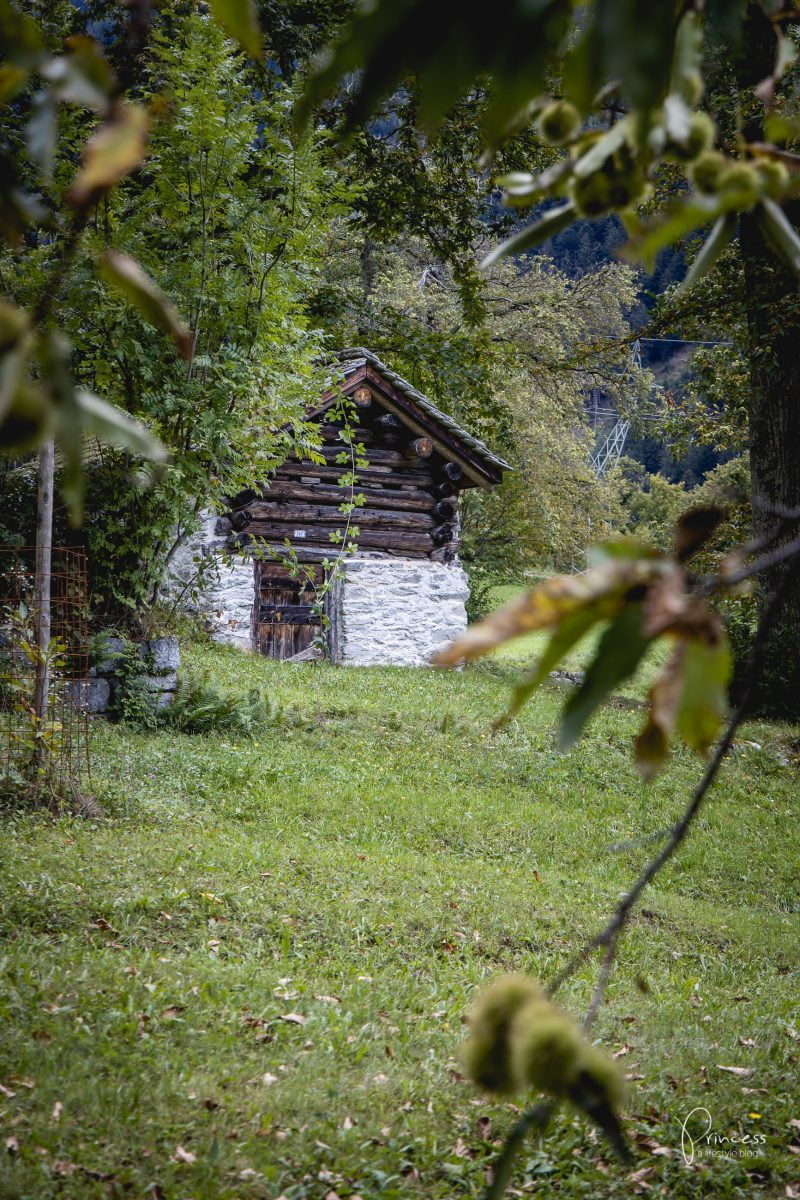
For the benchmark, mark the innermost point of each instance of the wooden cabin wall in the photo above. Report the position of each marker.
(410, 501)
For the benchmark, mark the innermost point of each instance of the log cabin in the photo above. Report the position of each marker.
(401, 594)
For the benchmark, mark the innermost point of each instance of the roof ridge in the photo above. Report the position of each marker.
(424, 402)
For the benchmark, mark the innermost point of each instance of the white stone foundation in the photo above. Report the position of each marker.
(398, 611)
(384, 611)
(222, 595)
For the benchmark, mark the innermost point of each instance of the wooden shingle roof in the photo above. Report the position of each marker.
(358, 365)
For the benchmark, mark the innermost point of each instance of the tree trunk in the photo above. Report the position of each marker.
(772, 302)
(43, 565)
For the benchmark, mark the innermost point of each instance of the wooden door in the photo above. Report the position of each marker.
(286, 620)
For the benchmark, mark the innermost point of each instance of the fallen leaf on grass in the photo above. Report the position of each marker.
(7, 1092)
(293, 1018)
(744, 1072)
(348, 1123)
(795, 1124)
(622, 1050)
(650, 1143)
(173, 1011)
(102, 923)
(61, 1166)
(20, 1082)
(184, 1156)
(743, 1041)
(638, 1178)
(12, 1145)
(328, 999)
(58, 1108)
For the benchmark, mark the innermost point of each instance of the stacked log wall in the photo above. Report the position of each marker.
(410, 497)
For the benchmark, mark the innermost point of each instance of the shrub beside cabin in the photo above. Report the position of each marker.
(401, 596)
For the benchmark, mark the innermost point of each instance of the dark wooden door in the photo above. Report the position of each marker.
(287, 622)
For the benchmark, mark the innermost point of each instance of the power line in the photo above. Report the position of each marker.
(685, 341)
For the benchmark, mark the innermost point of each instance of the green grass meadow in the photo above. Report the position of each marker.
(248, 980)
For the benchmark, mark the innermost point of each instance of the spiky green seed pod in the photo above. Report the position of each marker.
(546, 1047)
(604, 1074)
(707, 170)
(741, 179)
(694, 88)
(592, 195)
(773, 177)
(626, 178)
(702, 132)
(559, 122)
(486, 1052)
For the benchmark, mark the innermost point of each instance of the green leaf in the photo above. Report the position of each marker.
(686, 66)
(239, 18)
(619, 653)
(114, 427)
(523, 189)
(112, 153)
(679, 219)
(533, 235)
(14, 340)
(82, 76)
(570, 631)
(621, 547)
(606, 145)
(27, 421)
(724, 20)
(12, 81)
(583, 70)
(553, 602)
(704, 698)
(20, 36)
(720, 237)
(677, 118)
(781, 234)
(125, 274)
(40, 133)
(636, 38)
(652, 744)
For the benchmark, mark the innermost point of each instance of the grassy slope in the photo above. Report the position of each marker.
(368, 863)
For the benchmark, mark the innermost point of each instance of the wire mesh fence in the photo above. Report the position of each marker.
(44, 747)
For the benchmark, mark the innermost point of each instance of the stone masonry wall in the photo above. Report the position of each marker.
(388, 611)
(399, 611)
(226, 593)
(161, 660)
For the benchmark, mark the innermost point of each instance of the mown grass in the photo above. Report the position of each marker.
(365, 865)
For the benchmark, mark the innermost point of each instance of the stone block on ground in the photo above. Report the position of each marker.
(113, 649)
(161, 683)
(92, 695)
(164, 653)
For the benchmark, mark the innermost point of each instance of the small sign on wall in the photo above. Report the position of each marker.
(298, 533)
